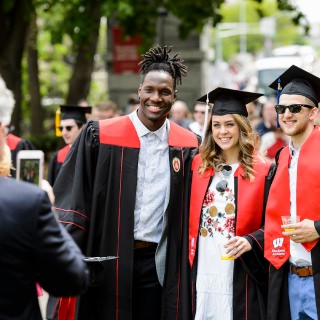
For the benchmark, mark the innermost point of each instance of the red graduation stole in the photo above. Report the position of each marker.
(67, 308)
(249, 200)
(62, 153)
(277, 246)
(12, 141)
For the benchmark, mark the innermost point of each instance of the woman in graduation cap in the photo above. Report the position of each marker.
(73, 118)
(226, 211)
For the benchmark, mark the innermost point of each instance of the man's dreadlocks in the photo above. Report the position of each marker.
(158, 59)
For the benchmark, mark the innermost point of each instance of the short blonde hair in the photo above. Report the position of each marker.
(7, 103)
(5, 162)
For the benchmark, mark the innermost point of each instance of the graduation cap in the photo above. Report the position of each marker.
(74, 112)
(71, 112)
(229, 101)
(298, 81)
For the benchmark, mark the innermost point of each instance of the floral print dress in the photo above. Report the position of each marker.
(214, 282)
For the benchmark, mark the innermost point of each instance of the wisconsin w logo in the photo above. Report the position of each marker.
(278, 242)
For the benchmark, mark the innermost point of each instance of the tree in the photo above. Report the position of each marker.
(78, 21)
(14, 23)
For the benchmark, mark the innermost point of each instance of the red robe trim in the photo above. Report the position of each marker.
(12, 141)
(62, 153)
(120, 131)
(277, 246)
(67, 308)
(250, 198)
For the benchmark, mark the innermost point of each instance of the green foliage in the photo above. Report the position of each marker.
(195, 14)
(286, 30)
(66, 25)
(46, 142)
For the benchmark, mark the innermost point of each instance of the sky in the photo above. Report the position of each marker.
(310, 8)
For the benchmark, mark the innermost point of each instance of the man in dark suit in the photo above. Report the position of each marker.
(33, 248)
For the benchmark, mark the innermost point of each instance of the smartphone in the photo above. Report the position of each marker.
(30, 166)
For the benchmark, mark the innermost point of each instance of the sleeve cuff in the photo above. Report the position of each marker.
(317, 226)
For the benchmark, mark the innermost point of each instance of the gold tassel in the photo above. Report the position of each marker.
(58, 132)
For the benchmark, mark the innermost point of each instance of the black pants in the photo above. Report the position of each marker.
(146, 287)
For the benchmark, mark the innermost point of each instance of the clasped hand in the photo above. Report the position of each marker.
(304, 231)
(237, 246)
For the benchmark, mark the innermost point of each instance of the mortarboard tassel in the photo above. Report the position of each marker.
(278, 98)
(57, 122)
(205, 119)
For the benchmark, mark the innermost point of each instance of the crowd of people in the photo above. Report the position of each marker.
(190, 206)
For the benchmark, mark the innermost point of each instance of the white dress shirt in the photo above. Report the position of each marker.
(299, 256)
(153, 181)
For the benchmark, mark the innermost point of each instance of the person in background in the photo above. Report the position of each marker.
(271, 142)
(226, 212)
(73, 118)
(199, 111)
(268, 117)
(33, 247)
(180, 114)
(105, 110)
(133, 103)
(294, 285)
(85, 103)
(14, 142)
(121, 192)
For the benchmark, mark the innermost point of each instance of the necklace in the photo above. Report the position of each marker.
(226, 172)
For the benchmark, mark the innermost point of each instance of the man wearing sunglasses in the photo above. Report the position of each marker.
(72, 120)
(294, 287)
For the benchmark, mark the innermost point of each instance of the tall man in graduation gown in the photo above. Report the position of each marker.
(294, 288)
(73, 118)
(120, 192)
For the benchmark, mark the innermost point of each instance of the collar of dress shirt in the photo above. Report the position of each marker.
(142, 130)
(293, 150)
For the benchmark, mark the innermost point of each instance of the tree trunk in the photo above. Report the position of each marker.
(13, 29)
(79, 84)
(37, 114)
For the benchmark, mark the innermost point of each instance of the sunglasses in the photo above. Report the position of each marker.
(223, 184)
(293, 108)
(197, 111)
(68, 128)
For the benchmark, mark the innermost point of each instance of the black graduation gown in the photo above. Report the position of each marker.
(55, 164)
(96, 204)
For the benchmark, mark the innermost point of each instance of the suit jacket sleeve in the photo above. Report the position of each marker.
(61, 268)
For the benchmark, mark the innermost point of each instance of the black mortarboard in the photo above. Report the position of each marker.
(74, 112)
(229, 101)
(298, 81)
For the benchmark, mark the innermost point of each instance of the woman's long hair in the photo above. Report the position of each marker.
(211, 153)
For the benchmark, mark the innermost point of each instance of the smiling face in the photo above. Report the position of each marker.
(226, 133)
(297, 125)
(157, 95)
